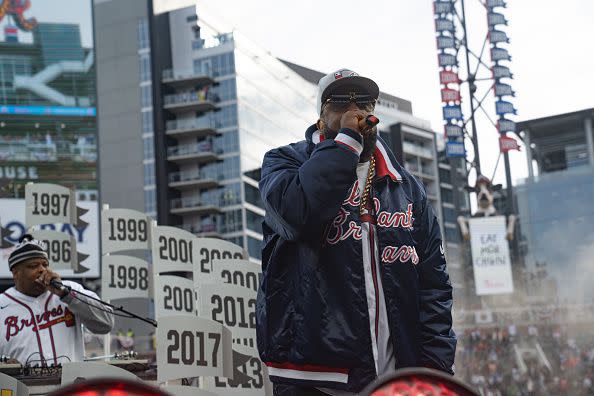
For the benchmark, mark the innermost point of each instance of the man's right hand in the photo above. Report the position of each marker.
(350, 119)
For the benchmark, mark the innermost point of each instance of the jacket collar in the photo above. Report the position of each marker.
(385, 163)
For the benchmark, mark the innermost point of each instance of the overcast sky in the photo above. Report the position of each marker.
(393, 42)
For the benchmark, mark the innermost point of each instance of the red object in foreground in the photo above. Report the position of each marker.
(418, 382)
(109, 387)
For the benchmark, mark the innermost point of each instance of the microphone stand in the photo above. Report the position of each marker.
(121, 309)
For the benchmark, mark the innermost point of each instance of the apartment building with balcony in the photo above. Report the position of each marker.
(188, 116)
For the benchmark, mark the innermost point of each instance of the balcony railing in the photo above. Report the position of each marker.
(190, 97)
(218, 227)
(183, 176)
(190, 149)
(192, 202)
(190, 124)
(188, 202)
(416, 150)
(170, 74)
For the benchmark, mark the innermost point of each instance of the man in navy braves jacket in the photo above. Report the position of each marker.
(354, 275)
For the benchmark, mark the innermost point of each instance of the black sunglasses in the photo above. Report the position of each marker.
(342, 102)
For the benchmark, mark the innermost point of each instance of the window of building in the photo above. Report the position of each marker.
(226, 90)
(146, 96)
(254, 221)
(145, 66)
(450, 215)
(231, 221)
(447, 195)
(147, 121)
(150, 201)
(149, 174)
(252, 195)
(149, 147)
(445, 176)
(228, 142)
(143, 34)
(226, 116)
(227, 195)
(217, 65)
(254, 248)
(452, 234)
(224, 170)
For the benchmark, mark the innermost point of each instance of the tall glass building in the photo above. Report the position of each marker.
(210, 106)
(48, 129)
(226, 102)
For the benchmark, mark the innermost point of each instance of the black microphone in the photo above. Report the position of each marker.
(56, 284)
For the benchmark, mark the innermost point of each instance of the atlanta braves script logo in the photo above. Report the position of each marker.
(16, 9)
(391, 254)
(14, 326)
(340, 230)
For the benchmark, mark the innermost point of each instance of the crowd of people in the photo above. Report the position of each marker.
(526, 361)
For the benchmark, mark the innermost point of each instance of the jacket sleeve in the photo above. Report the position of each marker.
(96, 317)
(300, 194)
(437, 339)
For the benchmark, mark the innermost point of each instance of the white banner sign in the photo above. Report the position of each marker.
(258, 385)
(49, 204)
(172, 249)
(124, 229)
(60, 248)
(208, 249)
(124, 277)
(242, 273)
(174, 295)
(12, 215)
(192, 347)
(233, 306)
(490, 256)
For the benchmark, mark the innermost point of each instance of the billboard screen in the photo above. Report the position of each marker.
(48, 129)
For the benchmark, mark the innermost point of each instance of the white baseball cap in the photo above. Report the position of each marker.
(344, 81)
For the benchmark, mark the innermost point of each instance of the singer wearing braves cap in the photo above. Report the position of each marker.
(41, 315)
(354, 278)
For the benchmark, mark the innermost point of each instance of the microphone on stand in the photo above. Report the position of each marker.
(56, 284)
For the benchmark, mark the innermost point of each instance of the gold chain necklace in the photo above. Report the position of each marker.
(367, 189)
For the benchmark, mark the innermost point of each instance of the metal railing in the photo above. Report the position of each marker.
(188, 202)
(219, 227)
(190, 97)
(196, 148)
(193, 175)
(416, 150)
(191, 202)
(189, 124)
(171, 74)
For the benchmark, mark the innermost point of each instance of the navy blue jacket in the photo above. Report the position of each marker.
(312, 314)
